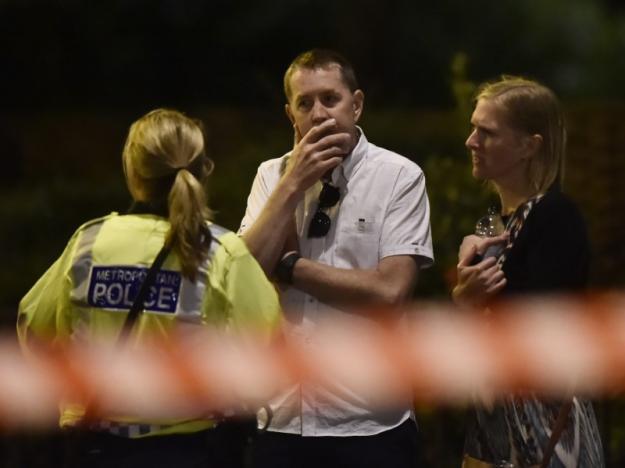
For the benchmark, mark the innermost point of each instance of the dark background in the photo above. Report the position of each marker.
(75, 74)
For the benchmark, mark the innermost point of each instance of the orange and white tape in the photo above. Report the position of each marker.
(443, 355)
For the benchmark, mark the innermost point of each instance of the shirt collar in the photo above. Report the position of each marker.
(354, 160)
(158, 208)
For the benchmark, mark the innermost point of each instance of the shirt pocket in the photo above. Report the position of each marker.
(358, 244)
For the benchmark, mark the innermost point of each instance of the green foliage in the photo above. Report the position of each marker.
(39, 219)
(457, 200)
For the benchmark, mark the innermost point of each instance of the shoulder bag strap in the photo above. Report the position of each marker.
(139, 303)
(556, 432)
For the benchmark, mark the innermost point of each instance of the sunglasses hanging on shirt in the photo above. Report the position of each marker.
(321, 222)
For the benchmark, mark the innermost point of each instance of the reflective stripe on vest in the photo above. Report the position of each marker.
(182, 298)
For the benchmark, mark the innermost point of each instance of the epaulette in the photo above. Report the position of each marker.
(217, 230)
(95, 221)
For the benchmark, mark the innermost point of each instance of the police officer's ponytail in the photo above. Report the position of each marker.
(165, 164)
(188, 212)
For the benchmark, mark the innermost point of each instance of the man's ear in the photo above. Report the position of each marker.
(359, 101)
(297, 136)
(289, 114)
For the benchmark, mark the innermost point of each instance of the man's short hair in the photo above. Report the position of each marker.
(321, 58)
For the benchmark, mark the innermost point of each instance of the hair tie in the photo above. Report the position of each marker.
(194, 165)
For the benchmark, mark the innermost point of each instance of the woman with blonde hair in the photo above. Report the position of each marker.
(205, 277)
(518, 145)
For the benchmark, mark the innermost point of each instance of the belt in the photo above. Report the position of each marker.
(470, 462)
(125, 430)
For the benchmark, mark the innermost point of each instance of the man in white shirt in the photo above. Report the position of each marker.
(340, 223)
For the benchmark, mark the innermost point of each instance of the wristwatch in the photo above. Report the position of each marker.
(284, 269)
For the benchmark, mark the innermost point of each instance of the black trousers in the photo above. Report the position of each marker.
(396, 448)
(206, 449)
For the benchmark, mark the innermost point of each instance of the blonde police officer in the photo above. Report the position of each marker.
(208, 279)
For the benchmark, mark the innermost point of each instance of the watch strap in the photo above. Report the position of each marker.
(284, 269)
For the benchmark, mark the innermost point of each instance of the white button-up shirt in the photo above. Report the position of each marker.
(383, 211)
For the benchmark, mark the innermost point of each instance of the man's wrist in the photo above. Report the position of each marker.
(286, 265)
(290, 192)
(462, 299)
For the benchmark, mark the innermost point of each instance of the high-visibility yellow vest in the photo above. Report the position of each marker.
(86, 294)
